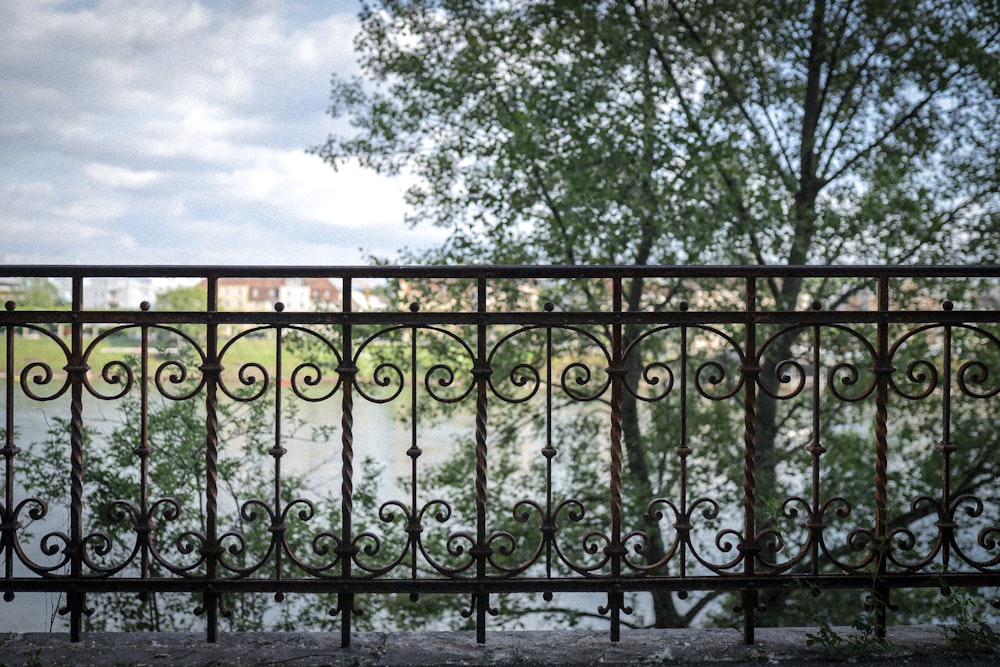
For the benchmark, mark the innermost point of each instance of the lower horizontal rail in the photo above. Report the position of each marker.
(861, 581)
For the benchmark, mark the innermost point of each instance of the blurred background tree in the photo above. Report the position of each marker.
(677, 131)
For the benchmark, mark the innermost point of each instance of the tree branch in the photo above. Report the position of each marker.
(846, 97)
(891, 130)
(730, 89)
(931, 230)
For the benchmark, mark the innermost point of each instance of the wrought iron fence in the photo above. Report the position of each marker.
(845, 440)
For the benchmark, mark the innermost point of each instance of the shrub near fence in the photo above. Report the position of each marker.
(764, 407)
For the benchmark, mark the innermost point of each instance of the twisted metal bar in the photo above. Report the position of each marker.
(346, 550)
(481, 551)
(749, 546)
(211, 549)
(883, 370)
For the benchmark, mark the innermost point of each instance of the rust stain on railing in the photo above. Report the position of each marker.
(681, 346)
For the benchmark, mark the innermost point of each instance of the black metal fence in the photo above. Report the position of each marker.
(847, 439)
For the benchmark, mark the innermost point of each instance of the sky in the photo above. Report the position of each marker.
(151, 132)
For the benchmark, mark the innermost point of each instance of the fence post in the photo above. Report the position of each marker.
(346, 550)
(211, 549)
(749, 547)
(947, 448)
(9, 451)
(481, 374)
(76, 369)
(616, 550)
(144, 527)
(883, 370)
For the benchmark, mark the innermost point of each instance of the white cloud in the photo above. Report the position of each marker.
(305, 187)
(177, 130)
(120, 177)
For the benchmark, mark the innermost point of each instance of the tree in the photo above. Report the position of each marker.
(662, 132)
(38, 294)
(662, 129)
(190, 298)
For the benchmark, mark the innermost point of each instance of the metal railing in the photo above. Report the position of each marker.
(736, 433)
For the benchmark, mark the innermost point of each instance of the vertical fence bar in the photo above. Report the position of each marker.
(211, 549)
(750, 547)
(481, 374)
(816, 450)
(883, 370)
(683, 451)
(414, 528)
(549, 452)
(77, 370)
(346, 550)
(144, 451)
(9, 452)
(616, 373)
(277, 451)
(947, 448)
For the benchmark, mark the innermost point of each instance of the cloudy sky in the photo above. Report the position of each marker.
(151, 132)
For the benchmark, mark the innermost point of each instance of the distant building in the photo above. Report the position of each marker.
(365, 298)
(260, 294)
(118, 293)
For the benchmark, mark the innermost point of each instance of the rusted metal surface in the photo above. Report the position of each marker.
(694, 336)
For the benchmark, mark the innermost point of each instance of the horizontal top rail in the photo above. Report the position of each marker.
(468, 317)
(500, 271)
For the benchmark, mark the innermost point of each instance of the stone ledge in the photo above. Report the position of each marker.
(909, 645)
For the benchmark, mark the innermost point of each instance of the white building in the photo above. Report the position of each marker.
(118, 293)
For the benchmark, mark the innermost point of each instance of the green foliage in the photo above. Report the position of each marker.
(861, 642)
(34, 658)
(38, 294)
(967, 613)
(185, 299)
(630, 132)
(193, 298)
